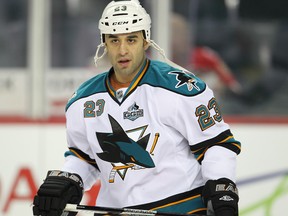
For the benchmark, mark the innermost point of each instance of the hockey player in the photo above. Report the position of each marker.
(151, 131)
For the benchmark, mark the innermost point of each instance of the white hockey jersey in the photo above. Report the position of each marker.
(146, 143)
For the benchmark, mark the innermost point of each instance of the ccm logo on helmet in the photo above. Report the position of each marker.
(120, 23)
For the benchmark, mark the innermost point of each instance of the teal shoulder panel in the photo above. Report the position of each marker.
(92, 86)
(163, 75)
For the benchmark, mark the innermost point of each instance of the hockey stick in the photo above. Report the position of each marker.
(97, 210)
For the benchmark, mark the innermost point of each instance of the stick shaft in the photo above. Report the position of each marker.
(96, 210)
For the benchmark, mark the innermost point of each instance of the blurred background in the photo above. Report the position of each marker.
(239, 47)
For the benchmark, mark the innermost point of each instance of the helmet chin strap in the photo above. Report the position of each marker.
(97, 57)
(162, 53)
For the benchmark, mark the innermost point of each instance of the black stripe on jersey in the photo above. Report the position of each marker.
(225, 139)
(189, 202)
(81, 155)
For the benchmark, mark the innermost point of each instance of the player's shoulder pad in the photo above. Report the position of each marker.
(94, 85)
(163, 75)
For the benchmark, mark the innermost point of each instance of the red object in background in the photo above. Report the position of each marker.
(204, 59)
(92, 194)
(25, 177)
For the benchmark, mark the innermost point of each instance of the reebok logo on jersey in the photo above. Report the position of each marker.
(133, 112)
(185, 78)
(226, 198)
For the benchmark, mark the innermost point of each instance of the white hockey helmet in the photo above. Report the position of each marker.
(124, 16)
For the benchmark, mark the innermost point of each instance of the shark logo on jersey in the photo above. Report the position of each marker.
(133, 112)
(123, 152)
(187, 78)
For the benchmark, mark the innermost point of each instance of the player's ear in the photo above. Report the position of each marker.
(146, 44)
(105, 36)
(105, 43)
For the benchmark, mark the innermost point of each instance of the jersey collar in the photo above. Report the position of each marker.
(133, 85)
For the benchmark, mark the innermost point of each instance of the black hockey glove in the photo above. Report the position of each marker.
(58, 189)
(221, 197)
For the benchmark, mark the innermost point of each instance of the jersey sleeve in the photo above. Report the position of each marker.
(219, 163)
(79, 157)
(203, 125)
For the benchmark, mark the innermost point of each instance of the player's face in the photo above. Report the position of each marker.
(126, 53)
